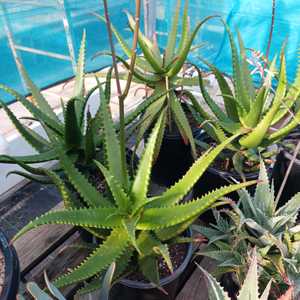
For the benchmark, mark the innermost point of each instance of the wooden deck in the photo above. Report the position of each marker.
(51, 248)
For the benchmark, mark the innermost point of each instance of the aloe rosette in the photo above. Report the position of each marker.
(257, 221)
(253, 111)
(160, 70)
(129, 222)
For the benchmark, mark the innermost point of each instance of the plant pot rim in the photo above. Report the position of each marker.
(166, 280)
(11, 263)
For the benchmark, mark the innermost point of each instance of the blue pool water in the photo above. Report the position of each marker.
(40, 26)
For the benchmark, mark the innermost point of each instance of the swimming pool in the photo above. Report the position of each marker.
(39, 25)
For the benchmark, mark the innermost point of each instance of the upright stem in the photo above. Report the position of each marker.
(122, 96)
(271, 30)
(287, 174)
(134, 47)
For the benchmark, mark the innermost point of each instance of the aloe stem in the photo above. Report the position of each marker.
(134, 47)
(286, 176)
(271, 31)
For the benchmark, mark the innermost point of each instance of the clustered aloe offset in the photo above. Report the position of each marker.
(77, 133)
(253, 111)
(161, 71)
(250, 288)
(132, 224)
(256, 221)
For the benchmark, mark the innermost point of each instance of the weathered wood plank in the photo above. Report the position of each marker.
(61, 260)
(33, 246)
(195, 288)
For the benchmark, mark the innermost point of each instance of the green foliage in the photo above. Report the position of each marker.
(249, 289)
(256, 221)
(160, 70)
(250, 110)
(77, 137)
(38, 294)
(134, 221)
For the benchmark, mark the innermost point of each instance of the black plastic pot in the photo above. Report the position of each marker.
(230, 285)
(173, 161)
(12, 271)
(133, 290)
(292, 186)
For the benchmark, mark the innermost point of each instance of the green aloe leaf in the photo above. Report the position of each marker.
(35, 111)
(72, 129)
(182, 122)
(163, 250)
(37, 95)
(30, 159)
(228, 125)
(162, 217)
(141, 181)
(241, 94)
(79, 80)
(147, 48)
(255, 137)
(185, 26)
(101, 217)
(182, 55)
(149, 267)
(121, 198)
(37, 178)
(171, 44)
(176, 192)
(37, 142)
(87, 191)
(229, 102)
(140, 62)
(110, 250)
(25, 166)
(66, 196)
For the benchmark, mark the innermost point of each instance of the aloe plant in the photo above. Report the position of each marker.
(249, 109)
(249, 289)
(131, 223)
(160, 71)
(77, 135)
(257, 221)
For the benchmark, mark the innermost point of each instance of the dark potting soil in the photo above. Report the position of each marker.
(178, 253)
(2, 272)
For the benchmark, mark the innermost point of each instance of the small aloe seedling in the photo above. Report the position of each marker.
(247, 109)
(133, 224)
(256, 220)
(249, 289)
(160, 71)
